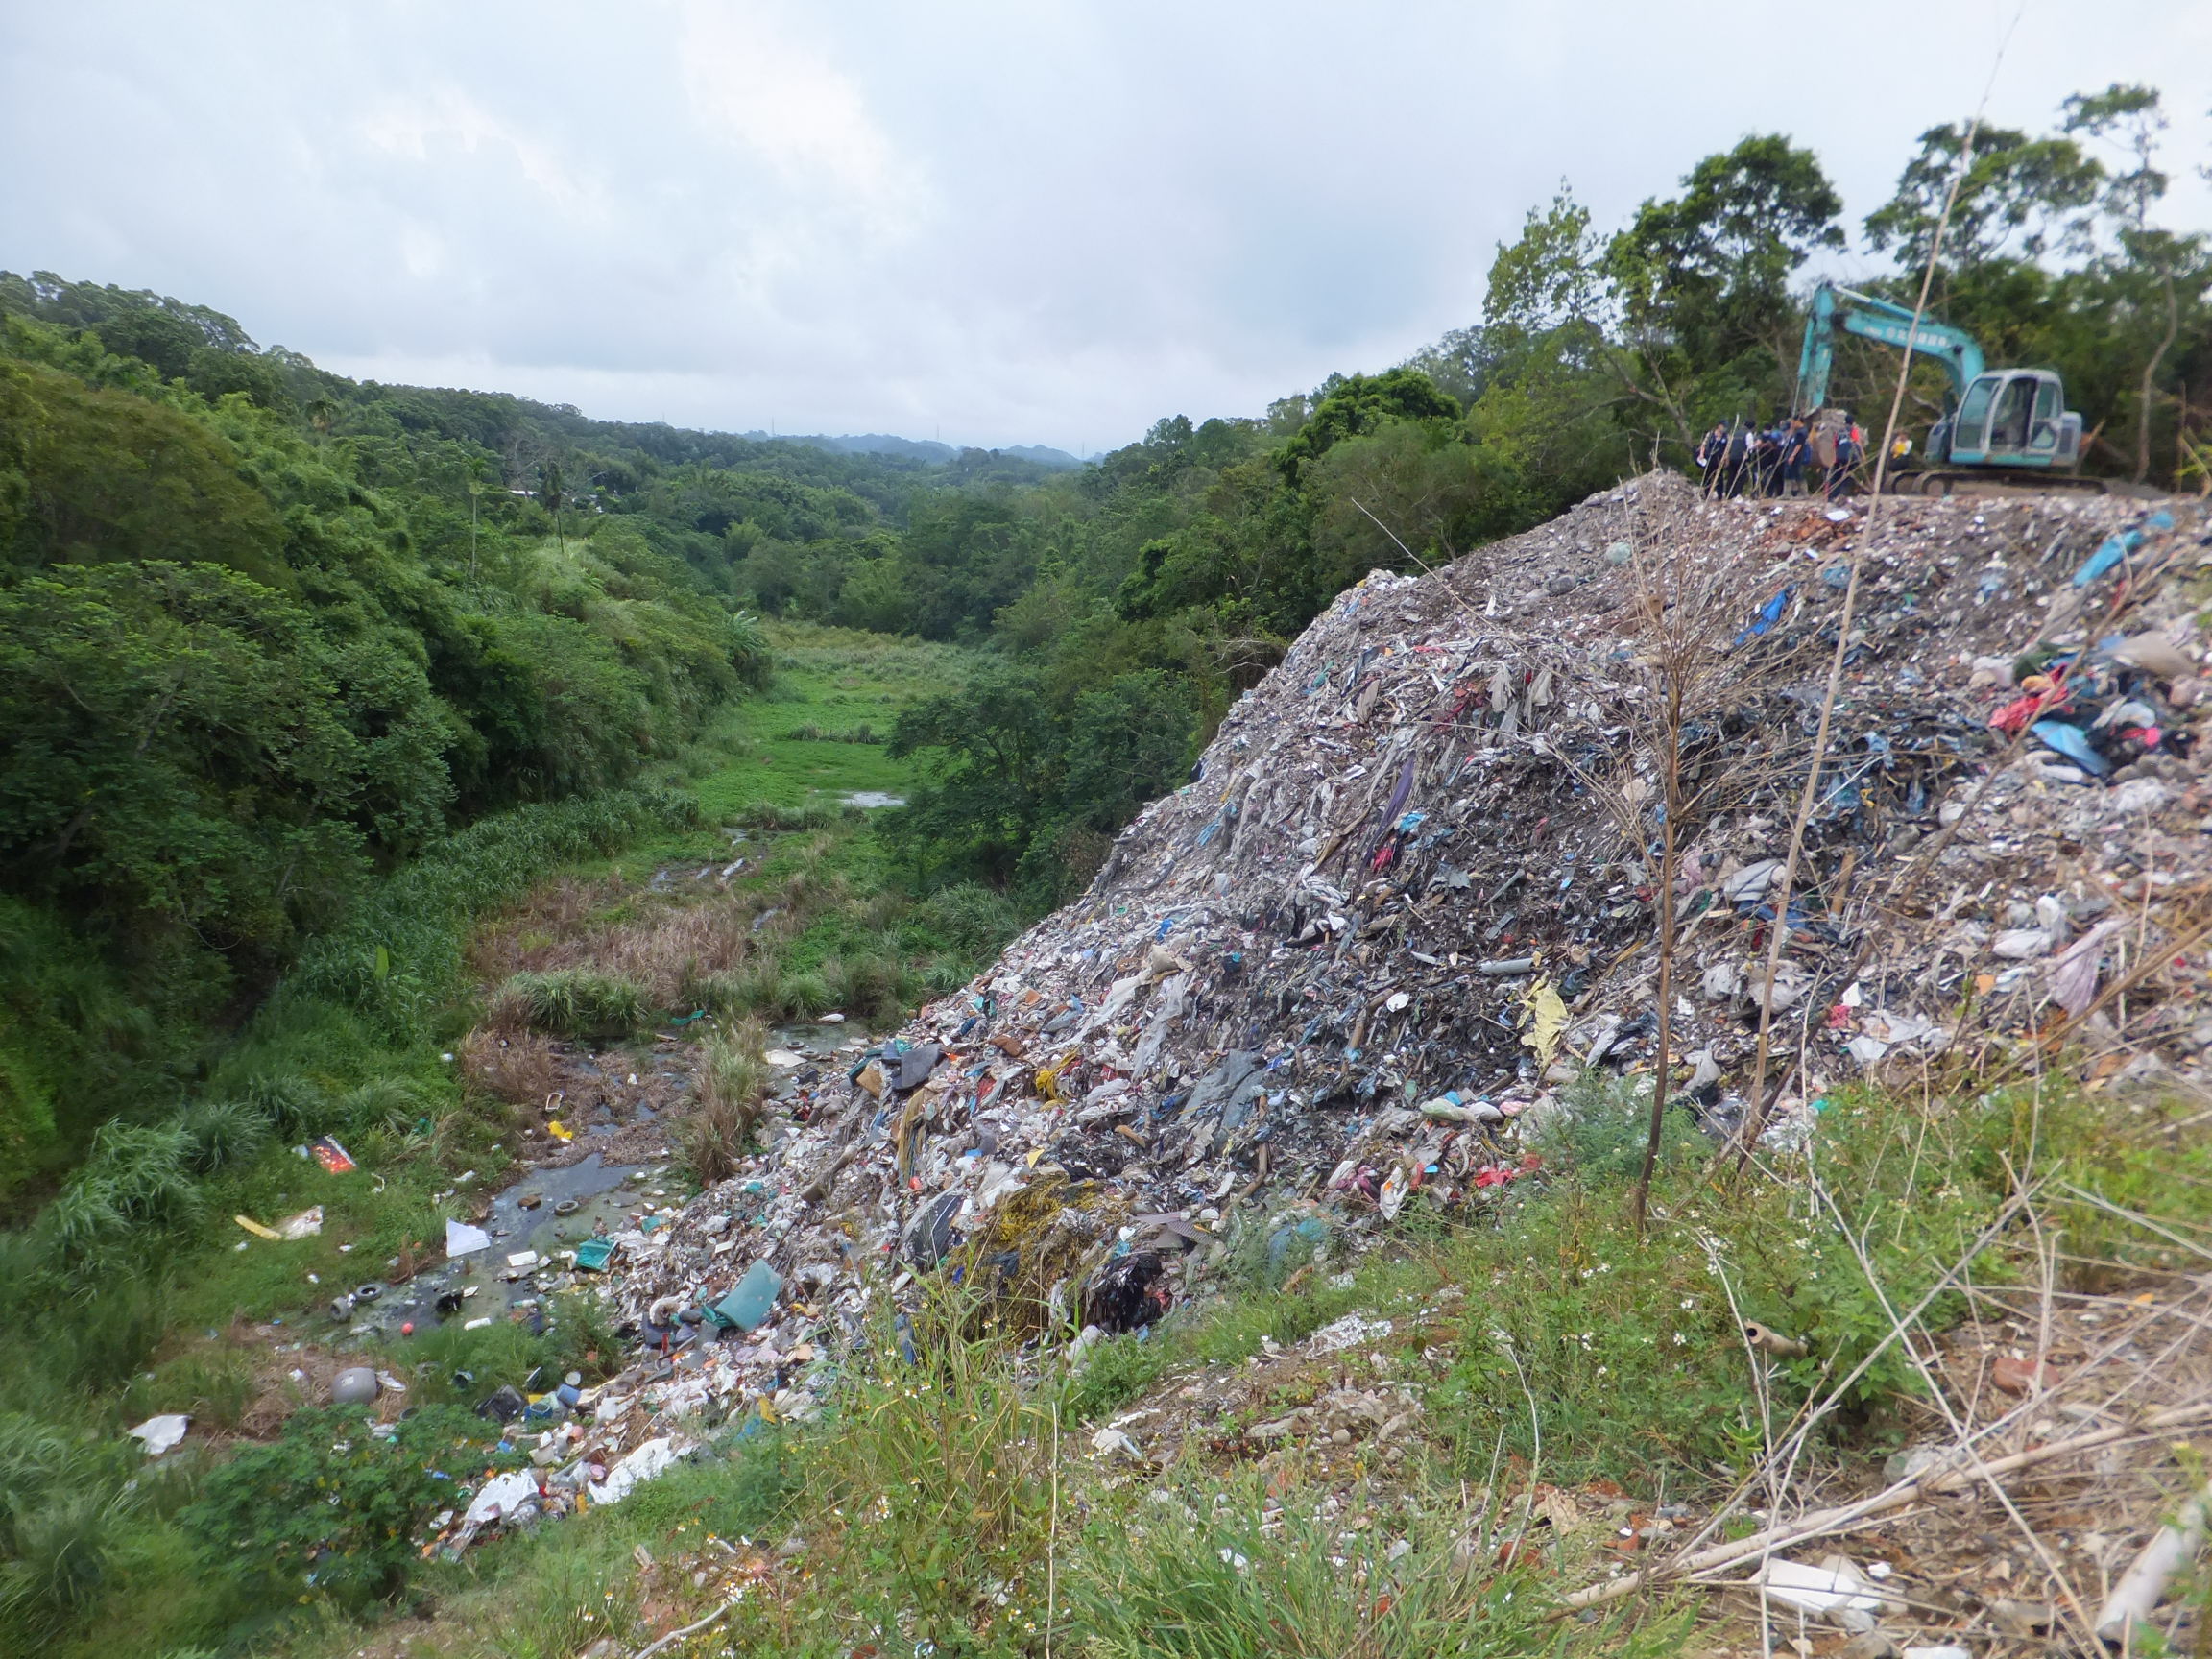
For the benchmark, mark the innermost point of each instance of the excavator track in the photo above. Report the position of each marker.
(1998, 481)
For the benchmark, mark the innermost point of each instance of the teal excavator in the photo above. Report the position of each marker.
(2000, 425)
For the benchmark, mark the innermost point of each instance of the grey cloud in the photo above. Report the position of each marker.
(1009, 224)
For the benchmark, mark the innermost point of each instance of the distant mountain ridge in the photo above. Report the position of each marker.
(920, 448)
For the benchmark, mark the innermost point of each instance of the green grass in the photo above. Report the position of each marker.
(832, 681)
(846, 933)
(923, 1497)
(579, 1002)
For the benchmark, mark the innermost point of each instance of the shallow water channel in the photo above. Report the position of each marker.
(527, 1215)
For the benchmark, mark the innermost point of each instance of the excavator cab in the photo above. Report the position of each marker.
(2001, 422)
(2012, 417)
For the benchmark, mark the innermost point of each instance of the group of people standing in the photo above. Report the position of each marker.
(1788, 457)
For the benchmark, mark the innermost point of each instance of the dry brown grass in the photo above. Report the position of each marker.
(672, 947)
(508, 1062)
(536, 934)
(663, 943)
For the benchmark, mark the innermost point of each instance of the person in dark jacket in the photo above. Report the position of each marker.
(1766, 459)
(1796, 450)
(1850, 451)
(1710, 454)
(1736, 466)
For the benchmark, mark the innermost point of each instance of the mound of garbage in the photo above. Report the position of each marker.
(1411, 895)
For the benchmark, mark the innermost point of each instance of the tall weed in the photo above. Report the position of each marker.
(1621, 1353)
(580, 1589)
(579, 1002)
(732, 1080)
(66, 1505)
(929, 1493)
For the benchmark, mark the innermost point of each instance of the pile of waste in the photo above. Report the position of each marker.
(1409, 905)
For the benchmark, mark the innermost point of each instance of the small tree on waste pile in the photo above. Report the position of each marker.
(1686, 608)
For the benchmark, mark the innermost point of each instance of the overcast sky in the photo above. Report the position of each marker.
(992, 223)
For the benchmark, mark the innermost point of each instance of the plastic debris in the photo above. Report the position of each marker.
(501, 1498)
(162, 1434)
(649, 1461)
(594, 1255)
(2072, 742)
(747, 1308)
(355, 1385)
(1835, 1591)
(306, 1224)
(2119, 546)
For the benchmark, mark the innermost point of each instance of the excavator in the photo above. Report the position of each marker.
(2004, 426)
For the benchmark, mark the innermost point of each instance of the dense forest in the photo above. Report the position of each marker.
(265, 632)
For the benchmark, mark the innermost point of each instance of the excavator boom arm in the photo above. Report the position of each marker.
(1873, 319)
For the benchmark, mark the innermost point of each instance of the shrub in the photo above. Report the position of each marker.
(388, 1103)
(1119, 1369)
(136, 1176)
(1617, 1353)
(60, 1556)
(332, 1507)
(577, 1327)
(290, 1102)
(747, 1494)
(726, 993)
(579, 1590)
(212, 1385)
(64, 1502)
(104, 1337)
(869, 986)
(802, 995)
(1603, 1125)
(579, 1002)
(1192, 1575)
(932, 1490)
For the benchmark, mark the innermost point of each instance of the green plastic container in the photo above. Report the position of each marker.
(748, 1306)
(594, 1255)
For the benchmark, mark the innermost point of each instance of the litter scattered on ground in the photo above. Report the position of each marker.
(306, 1224)
(1409, 898)
(655, 1458)
(1351, 969)
(1400, 926)
(501, 1496)
(162, 1434)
